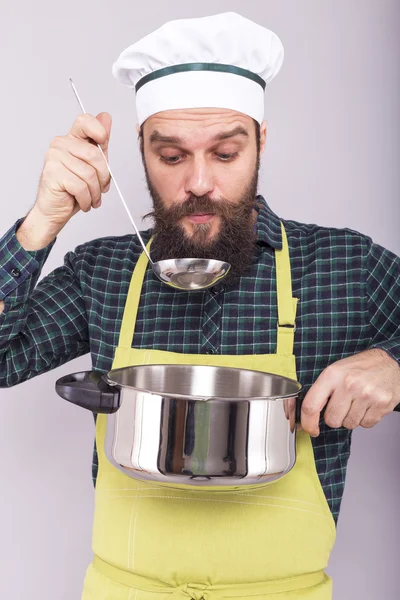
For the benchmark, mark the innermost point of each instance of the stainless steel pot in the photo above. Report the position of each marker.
(201, 426)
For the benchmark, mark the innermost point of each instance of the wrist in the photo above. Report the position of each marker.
(36, 232)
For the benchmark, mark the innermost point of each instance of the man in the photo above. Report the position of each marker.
(199, 92)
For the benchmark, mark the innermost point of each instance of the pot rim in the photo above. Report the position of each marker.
(178, 396)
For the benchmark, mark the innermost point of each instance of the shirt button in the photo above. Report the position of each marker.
(210, 351)
(216, 291)
(15, 272)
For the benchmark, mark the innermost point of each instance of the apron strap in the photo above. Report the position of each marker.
(286, 303)
(132, 301)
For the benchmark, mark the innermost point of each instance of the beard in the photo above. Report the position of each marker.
(234, 242)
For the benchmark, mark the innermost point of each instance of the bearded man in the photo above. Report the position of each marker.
(331, 319)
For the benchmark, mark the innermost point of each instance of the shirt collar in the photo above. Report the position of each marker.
(268, 225)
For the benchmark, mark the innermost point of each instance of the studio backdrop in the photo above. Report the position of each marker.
(332, 158)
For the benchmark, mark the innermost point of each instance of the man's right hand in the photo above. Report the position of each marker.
(74, 177)
(75, 173)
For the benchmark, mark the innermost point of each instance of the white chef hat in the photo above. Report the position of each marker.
(222, 61)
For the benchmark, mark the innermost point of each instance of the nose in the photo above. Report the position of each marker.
(199, 180)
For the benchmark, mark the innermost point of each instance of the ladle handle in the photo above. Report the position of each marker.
(113, 178)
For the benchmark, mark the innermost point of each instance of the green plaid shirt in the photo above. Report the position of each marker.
(349, 300)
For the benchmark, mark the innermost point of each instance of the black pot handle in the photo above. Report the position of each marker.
(89, 390)
(299, 402)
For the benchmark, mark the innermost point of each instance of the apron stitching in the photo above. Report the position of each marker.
(134, 531)
(224, 501)
(276, 498)
(155, 487)
(130, 540)
(230, 493)
(129, 536)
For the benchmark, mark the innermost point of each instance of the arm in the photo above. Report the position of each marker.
(41, 327)
(383, 293)
(362, 389)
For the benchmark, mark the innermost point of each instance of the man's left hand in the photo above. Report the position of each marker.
(358, 390)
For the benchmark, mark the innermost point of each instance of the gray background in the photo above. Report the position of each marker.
(332, 158)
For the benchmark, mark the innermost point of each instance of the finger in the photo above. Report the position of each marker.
(87, 153)
(85, 172)
(87, 127)
(314, 401)
(289, 406)
(311, 414)
(105, 119)
(337, 408)
(356, 414)
(371, 418)
(78, 189)
(286, 409)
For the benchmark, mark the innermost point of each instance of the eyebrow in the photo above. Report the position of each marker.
(156, 136)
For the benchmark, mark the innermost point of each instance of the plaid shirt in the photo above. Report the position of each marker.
(349, 300)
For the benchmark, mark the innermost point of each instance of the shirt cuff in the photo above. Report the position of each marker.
(17, 264)
(392, 347)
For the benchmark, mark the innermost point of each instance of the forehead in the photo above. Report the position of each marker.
(201, 124)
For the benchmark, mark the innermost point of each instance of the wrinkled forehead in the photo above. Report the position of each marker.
(203, 124)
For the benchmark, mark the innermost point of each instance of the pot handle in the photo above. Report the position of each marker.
(90, 390)
(299, 401)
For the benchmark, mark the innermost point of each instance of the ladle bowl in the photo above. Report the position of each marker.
(190, 273)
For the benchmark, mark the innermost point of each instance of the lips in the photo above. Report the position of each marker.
(200, 218)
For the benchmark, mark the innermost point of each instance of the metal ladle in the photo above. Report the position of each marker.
(181, 273)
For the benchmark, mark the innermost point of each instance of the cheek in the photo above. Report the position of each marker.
(167, 182)
(232, 182)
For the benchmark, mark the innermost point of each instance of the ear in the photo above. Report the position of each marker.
(137, 128)
(263, 136)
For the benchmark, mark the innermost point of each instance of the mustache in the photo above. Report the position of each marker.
(199, 205)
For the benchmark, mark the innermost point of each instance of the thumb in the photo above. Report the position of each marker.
(106, 120)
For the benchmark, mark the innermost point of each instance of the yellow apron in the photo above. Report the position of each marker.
(152, 542)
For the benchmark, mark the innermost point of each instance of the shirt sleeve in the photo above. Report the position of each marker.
(383, 293)
(20, 269)
(43, 325)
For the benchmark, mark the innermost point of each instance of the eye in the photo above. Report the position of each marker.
(224, 157)
(170, 160)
